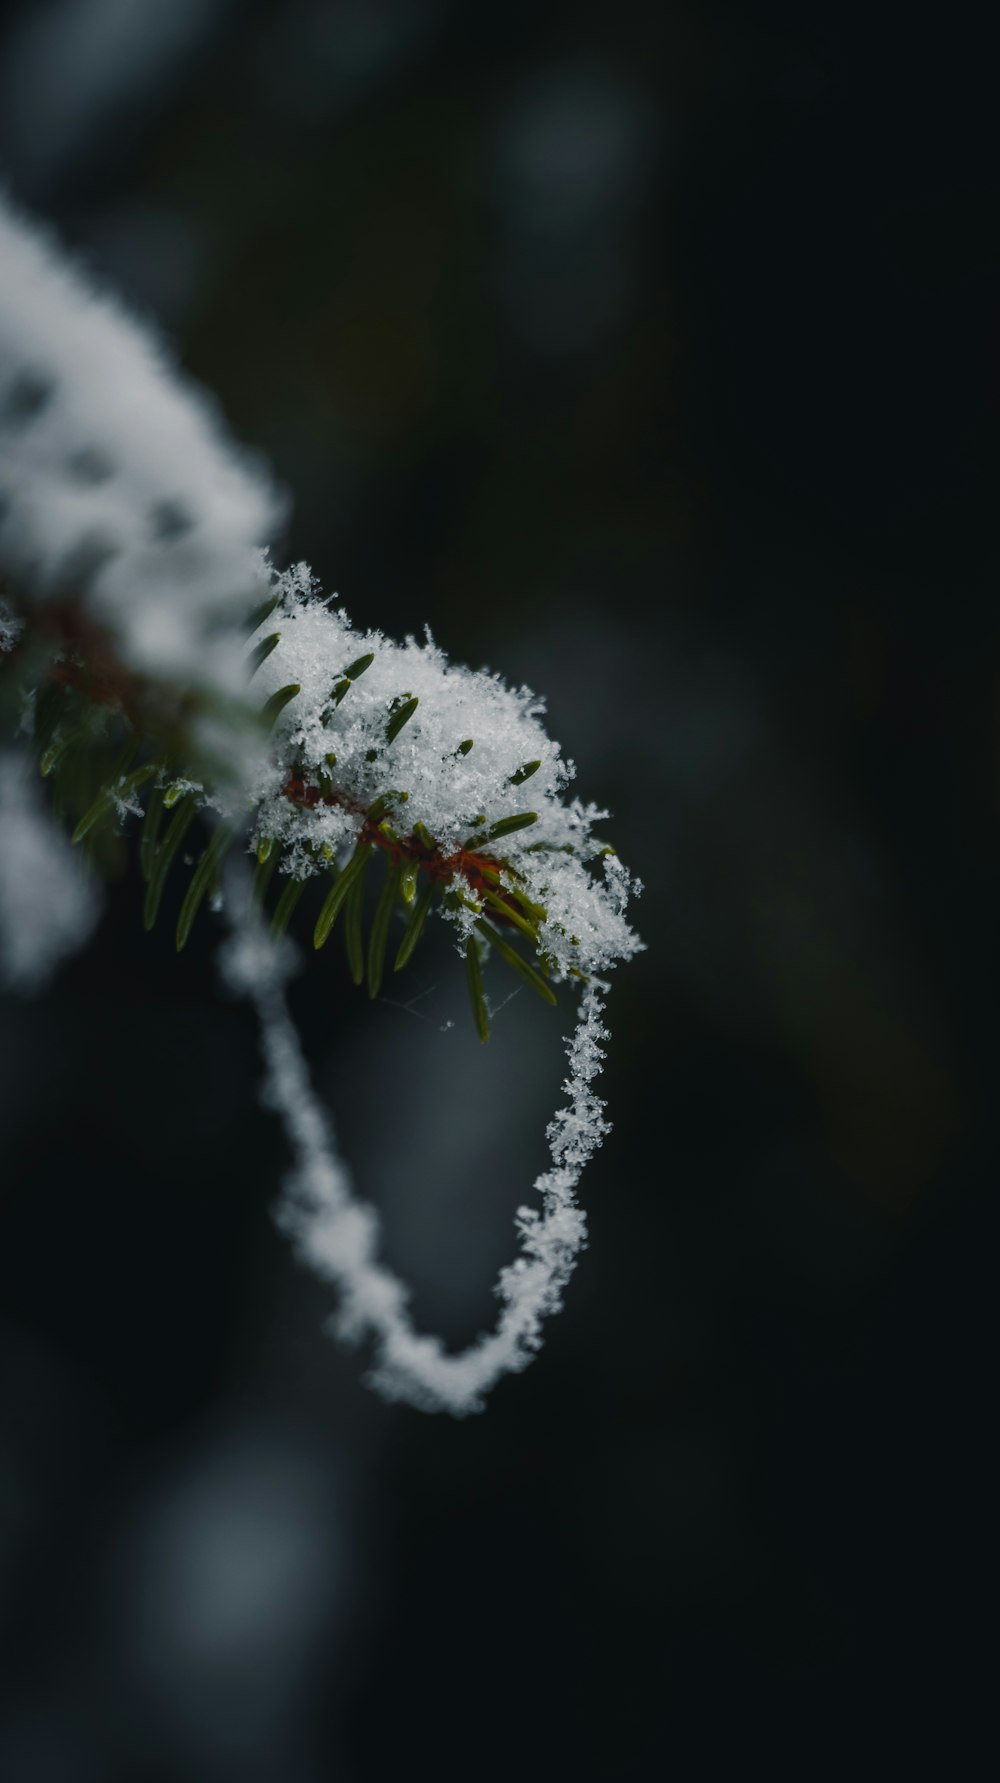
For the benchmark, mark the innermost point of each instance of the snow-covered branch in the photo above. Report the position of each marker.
(118, 484)
(131, 532)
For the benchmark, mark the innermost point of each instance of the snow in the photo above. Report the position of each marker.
(336, 1235)
(118, 485)
(455, 796)
(47, 905)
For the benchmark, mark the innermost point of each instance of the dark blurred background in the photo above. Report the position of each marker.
(650, 356)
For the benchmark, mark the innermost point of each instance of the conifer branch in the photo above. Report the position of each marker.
(165, 683)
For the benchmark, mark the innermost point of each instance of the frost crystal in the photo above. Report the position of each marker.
(336, 1234)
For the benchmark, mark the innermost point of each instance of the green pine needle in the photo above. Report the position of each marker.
(201, 880)
(338, 892)
(107, 796)
(261, 652)
(50, 703)
(271, 711)
(474, 979)
(56, 750)
(354, 910)
(150, 831)
(519, 820)
(180, 823)
(408, 877)
(263, 876)
(512, 915)
(525, 773)
(399, 717)
(256, 619)
(380, 928)
(385, 801)
(514, 959)
(284, 908)
(415, 926)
